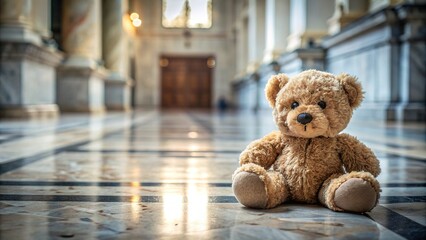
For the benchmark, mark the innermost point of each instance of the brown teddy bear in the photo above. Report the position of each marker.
(311, 161)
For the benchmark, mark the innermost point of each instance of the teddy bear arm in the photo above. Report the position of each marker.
(264, 151)
(356, 156)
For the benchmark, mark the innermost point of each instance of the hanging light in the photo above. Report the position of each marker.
(134, 16)
(136, 21)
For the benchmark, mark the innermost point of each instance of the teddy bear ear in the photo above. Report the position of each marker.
(273, 86)
(352, 88)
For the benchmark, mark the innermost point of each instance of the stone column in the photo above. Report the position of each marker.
(80, 77)
(345, 12)
(308, 22)
(277, 28)
(40, 11)
(27, 66)
(115, 54)
(256, 34)
(16, 22)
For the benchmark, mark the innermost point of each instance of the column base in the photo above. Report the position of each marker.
(27, 80)
(80, 89)
(29, 111)
(19, 33)
(117, 93)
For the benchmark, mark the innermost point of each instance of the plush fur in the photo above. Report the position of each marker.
(307, 160)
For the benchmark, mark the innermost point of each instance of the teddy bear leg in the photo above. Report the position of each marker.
(254, 187)
(352, 192)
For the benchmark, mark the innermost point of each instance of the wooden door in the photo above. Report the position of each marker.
(186, 82)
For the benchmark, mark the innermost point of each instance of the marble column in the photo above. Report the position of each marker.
(345, 12)
(308, 22)
(115, 54)
(277, 28)
(16, 22)
(256, 34)
(40, 11)
(27, 65)
(81, 76)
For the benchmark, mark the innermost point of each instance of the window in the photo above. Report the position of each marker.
(187, 13)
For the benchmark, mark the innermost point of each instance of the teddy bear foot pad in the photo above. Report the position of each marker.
(250, 190)
(355, 195)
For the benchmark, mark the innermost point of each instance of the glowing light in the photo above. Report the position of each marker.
(135, 184)
(135, 199)
(192, 134)
(164, 62)
(134, 16)
(127, 25)
(193, 147)
(197, 197)
(173, 211)
(211, 63)
(137, 22)
(197, 210)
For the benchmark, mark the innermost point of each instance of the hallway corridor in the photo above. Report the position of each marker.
(167, 175)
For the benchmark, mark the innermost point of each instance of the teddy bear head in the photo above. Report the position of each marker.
(313, 103)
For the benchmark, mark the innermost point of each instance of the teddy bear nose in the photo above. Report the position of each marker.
(304, 118)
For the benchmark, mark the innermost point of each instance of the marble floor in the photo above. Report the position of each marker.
(167, 175)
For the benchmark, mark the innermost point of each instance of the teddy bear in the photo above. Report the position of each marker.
(307, 159)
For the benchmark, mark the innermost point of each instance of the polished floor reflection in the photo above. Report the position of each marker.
(167, 175)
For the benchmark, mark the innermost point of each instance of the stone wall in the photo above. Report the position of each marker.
(388, 57)
(385, 49)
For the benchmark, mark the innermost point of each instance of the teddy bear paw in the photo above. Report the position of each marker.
(250, 190)
(356, 195)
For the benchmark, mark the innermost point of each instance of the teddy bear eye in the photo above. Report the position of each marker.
(294, 105)
(322, 104)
